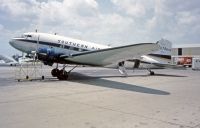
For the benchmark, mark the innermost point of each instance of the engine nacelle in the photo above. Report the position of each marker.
(48, 56)
(47, 51)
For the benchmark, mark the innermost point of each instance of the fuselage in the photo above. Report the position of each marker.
(52, 44)
(51, 47)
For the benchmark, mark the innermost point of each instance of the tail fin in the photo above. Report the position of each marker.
(165, 47)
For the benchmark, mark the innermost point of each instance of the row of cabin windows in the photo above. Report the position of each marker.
(64, 46)
(75, 49)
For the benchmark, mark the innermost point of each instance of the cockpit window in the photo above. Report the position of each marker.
(26, 36)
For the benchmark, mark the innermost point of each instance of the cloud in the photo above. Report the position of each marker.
(123, 22)
(187, 18)
(16, 8)
(66, 13)
(179, 5)
(131, 7)
(1, 27)
(80, 19)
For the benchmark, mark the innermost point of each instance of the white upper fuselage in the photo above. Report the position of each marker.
(51, 48)
(33, 41)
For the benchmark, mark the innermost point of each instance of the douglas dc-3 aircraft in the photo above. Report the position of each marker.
(52, 49)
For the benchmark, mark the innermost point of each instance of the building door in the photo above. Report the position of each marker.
(180, 51)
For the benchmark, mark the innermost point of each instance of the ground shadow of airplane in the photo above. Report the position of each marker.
(99, 81)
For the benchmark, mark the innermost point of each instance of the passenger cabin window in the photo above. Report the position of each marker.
(67, 47)
(76, 49)
(71, 48)
(84, 50)
(80, 50)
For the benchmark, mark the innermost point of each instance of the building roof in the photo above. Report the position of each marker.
(186, 45)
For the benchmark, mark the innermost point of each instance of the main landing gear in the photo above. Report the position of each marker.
(61, 74)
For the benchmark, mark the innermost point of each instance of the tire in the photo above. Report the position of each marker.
(152, 73)
(62, 75)
(55, 72)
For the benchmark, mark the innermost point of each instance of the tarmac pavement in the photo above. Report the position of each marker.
(101, 98)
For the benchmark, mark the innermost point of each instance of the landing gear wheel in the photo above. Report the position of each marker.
(55, 72)
(152, 73)
(62, 75)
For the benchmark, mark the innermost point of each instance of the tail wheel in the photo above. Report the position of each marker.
(152, 73)
(55, 72)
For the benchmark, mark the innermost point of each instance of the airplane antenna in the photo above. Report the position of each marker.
(55, 33)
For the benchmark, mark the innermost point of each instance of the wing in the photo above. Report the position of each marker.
(111, 55)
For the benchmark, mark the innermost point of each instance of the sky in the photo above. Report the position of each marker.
(109, 22)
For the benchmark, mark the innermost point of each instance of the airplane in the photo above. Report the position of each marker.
(53, 48)
(7, 61)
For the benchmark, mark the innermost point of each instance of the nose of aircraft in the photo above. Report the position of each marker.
(12, 42)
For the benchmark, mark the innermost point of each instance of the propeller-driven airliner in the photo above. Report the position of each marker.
(53, 48)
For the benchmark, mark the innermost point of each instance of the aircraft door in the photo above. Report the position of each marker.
(37, 44)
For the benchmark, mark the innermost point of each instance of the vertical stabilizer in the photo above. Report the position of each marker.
(165, 47)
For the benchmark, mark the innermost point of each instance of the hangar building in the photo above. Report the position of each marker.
(186, 50)
(184, 55)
